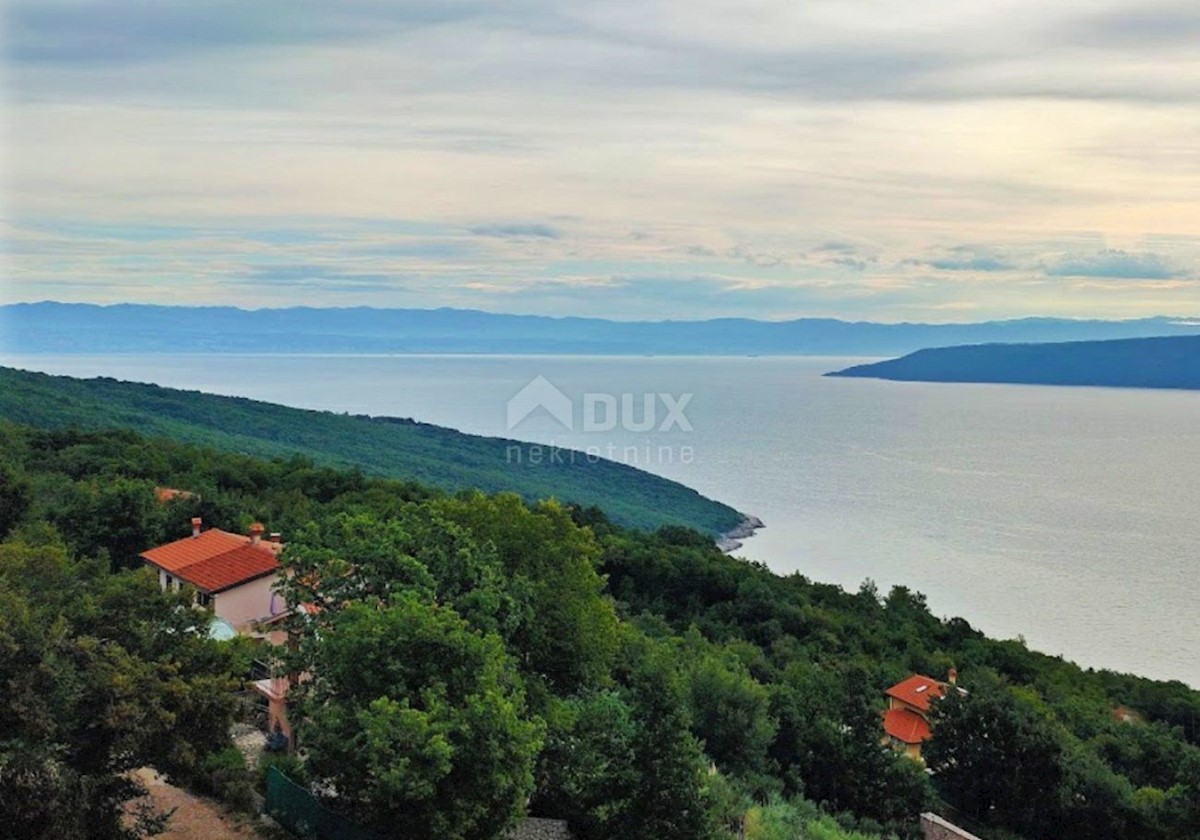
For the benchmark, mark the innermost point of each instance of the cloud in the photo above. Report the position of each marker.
(836, 247)
(841, 255)
(539, 285)
(518, 230)
(976, 263)
(850, 262)
(1141, 27)
(923, 53)
(318, 277)
(1114, 264)
(466, 152)
(761, 259)
(113, 31)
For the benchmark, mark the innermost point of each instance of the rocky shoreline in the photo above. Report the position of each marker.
(731, 540)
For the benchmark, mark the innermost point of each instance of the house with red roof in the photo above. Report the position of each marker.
(906, 720)
(233, 574)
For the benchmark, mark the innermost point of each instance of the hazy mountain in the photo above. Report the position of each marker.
(1126, 363)
(125, 328)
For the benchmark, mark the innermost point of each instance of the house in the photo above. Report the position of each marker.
(233, 574)
(906, 720)
(163, 495)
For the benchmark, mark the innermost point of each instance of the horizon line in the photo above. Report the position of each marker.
(1175, 320)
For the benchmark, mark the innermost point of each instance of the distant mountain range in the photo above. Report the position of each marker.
(127, 328)
(1127, 363)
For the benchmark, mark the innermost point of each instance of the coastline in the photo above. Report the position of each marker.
(731, 540)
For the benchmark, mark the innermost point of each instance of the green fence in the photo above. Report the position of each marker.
(299, 812)
(950, 813)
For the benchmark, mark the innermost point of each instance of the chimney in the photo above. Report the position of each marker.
(276, 537)
(196, 523)
(256, 532)
(952, 677)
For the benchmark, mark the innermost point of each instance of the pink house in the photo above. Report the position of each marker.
(234, 576)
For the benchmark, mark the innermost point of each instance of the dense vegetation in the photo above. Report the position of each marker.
(1127, 363)
(474, 653)
(100, 674)
(384, 446)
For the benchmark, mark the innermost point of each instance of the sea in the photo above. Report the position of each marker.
(1069, 517)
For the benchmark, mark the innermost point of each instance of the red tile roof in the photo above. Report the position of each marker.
(917, 691)
(166, 494)
(216, 560)
(906, 726)
(181, 553)
(230, 569)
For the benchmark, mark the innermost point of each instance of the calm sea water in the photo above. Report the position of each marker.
(1070, 516)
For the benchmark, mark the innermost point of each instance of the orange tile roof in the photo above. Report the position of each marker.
(230, 569)
(906, 726)
(166, 494)
(216, 560)
(181, 553)
(917, 691)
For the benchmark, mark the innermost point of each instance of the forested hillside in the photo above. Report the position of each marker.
(1127, 363)
(471, 654)
(384, 446)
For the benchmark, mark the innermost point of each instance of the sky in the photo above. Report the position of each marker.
(917, 161)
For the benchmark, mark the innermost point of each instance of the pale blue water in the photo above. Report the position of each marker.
(1070, 516)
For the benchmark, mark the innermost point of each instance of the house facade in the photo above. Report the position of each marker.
(906, 719)
(233, 574)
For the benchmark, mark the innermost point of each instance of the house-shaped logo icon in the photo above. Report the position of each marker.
(540, 393)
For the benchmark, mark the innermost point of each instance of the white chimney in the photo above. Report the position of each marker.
(256, 532)
(196, 523)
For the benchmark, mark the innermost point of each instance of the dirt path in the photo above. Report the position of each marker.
(195, 818)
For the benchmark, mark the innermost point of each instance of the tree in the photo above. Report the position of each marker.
(730, 710)
(996, 756)
(416, 721)
(586, 771)
(362, 557)
(15, 497)
(118, 516)
(99, 674)
(671, 800)
(570, 638)
(1181, 806)
(1096, 802)
(829, 746)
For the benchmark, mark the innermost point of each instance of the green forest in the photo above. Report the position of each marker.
(475, 657)
(384, 446)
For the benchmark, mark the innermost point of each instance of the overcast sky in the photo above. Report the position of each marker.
(621, 158)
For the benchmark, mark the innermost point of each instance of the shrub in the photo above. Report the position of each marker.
(225, 775)
(288, 765)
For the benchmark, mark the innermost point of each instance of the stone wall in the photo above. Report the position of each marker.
(934, 827)
(539, 829)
